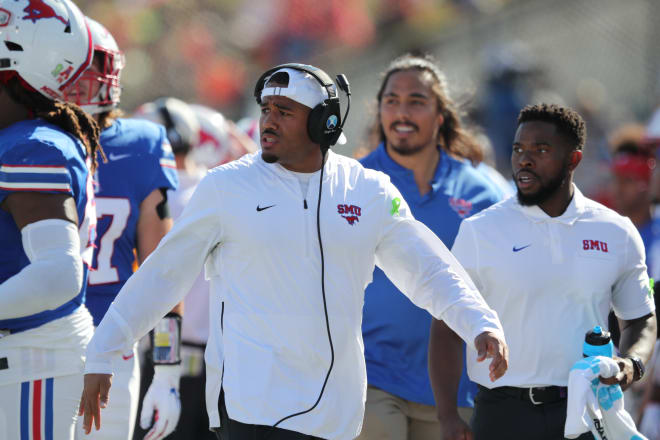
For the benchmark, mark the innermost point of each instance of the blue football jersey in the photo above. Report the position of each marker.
(140, 160)
(39, 157)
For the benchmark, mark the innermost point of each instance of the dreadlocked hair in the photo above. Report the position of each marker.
(453, 137)
(107, 118)
(67, 116)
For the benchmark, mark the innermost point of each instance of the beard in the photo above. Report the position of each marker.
(547, 189)
(406, 150)
(269, 157)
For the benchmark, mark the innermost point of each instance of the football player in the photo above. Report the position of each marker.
(131, 196)
(47, 218)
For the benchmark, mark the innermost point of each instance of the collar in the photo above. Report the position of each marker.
(575, 209)
(329, 167)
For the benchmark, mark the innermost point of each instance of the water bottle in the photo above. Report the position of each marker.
(598, 343)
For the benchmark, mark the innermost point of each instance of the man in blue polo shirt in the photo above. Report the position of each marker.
(429, 157)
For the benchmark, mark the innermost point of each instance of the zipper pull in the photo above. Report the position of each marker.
(305, 203)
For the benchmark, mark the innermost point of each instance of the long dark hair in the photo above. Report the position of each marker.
(454, 138)
(69, 117)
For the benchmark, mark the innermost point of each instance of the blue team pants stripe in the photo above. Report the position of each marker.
(49, 409)
(25, 408)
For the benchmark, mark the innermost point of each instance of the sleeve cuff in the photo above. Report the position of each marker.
(489, 328)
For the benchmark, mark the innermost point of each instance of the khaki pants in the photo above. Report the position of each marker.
(388, 417)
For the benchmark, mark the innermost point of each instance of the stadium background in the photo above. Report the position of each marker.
(599, 56)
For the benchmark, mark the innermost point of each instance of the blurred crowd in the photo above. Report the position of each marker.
(210, 50)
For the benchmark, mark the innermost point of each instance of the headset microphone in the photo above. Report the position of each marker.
(343, 85)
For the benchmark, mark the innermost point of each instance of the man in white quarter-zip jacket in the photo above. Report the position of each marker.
(285, 345)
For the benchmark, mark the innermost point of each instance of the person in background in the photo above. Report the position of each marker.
(428, 155)
(48, 153)
(633, 162)
(133, 215)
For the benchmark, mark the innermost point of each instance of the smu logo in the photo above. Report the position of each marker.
(588, 245)
(352, 213)
(462, 207)
(38, 10)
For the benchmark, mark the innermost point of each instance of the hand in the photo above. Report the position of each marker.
(162, 402)
(625, 375)
(454, 428)
(491, 345)
(93, 398)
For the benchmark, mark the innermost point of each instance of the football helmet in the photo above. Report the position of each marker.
(98, 89)
(178, 118)
(220, 140)
(46, 42)
(213, 148)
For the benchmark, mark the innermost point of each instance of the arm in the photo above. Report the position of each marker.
(153, 224)
(422, 267)
(638, 336)
(30, 207)
(160, 282)
(445, 367)
(637, 339)
(632, 301)
(49, 229)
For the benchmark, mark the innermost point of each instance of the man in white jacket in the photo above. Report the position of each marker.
(289, 237)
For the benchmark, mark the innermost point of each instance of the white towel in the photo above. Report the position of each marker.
(596, 407)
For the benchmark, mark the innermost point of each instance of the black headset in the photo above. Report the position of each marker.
(325, 123)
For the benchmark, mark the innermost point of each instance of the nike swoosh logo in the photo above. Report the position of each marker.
(126, 357)
(515, 249)
(259, 208)
(118, 156)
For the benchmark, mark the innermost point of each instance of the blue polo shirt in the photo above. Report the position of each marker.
(395, 331)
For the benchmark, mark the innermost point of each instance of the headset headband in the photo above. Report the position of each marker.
(322, 77)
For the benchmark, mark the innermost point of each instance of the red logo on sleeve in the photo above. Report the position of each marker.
(595, 245)
(352, 212)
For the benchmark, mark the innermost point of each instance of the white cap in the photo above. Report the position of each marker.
(302, 88)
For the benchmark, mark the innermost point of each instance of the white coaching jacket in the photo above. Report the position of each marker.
(255, 231)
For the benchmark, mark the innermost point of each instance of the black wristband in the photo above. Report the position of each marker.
(638, 368)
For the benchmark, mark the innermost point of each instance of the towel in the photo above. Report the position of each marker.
(597, 407)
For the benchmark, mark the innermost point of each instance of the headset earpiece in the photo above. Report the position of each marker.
(324, 123)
